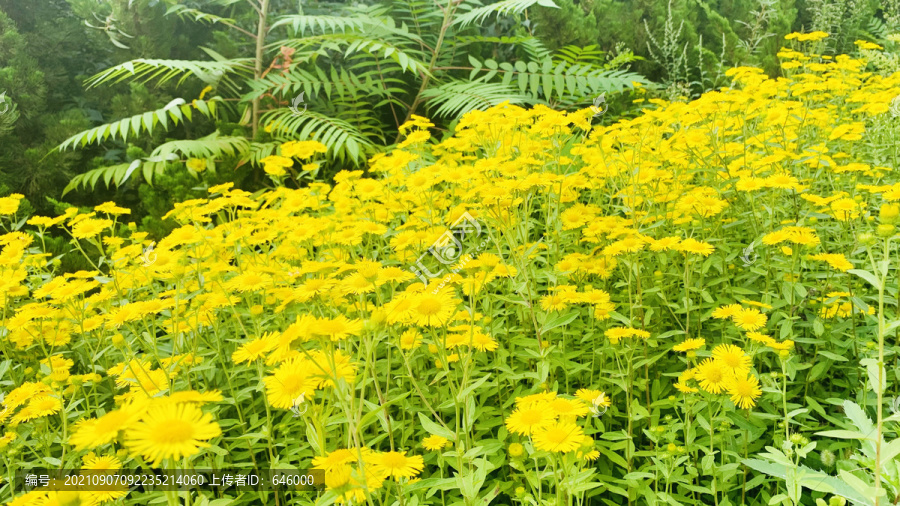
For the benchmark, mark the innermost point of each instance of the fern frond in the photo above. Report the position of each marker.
(199, 16)
(211, 146)
(176, 111)
(258, 151)
(112, 174)
(301, 24)
(532, 46)
(458, 97)
(376, 44)
(344, 141)
(576, 55)
(505, 7)
(315, 81)
(210, 72)
(570, 83)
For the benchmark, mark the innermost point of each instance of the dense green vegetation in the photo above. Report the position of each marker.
(66, 68)
(453, 252)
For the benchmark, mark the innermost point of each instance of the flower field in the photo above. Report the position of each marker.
(692, 306)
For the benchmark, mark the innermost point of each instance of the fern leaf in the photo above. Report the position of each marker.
(455, 98)
(544, 79)
(334, 24)
(185, 12)
(90, 178)
(175, 111)
(377, 44)
(344, 141)
(505, 7)
(210, 72)
(211, 146)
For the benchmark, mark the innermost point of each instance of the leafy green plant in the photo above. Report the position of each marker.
(357, 73)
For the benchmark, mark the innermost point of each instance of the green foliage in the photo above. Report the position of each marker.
(682, 41)
(347, 78)
(176, 111)
(172, 185)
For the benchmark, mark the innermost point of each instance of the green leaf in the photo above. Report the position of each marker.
(877, 374)
(844, 434)
(137, 124)
(559, 321)
(812, 480)
(464, 393)
(504, 7)
(436, 429)
(866, 275)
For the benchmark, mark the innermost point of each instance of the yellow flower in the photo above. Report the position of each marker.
(171, 431)
(691, 245)
(732, 357)
(410, 339)
(196, 164)
(713, 375)
(302, 149)
(85, 229)
(835, 260)
(254, 350)
(727, 311)
(338, 328)
(526, 421)
(291, 380)
(690, 344)
(112, 208)
(435, 443)
(275, 165)
(744, 390)
(9, 205)
(749, 319)
(559, 437)
(397, 464)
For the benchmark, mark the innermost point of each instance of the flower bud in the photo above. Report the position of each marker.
(866, 239)
(888, 213)
(516, 450)
(587, 444)
(886, 230)
(118, 340)
(827, 458)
